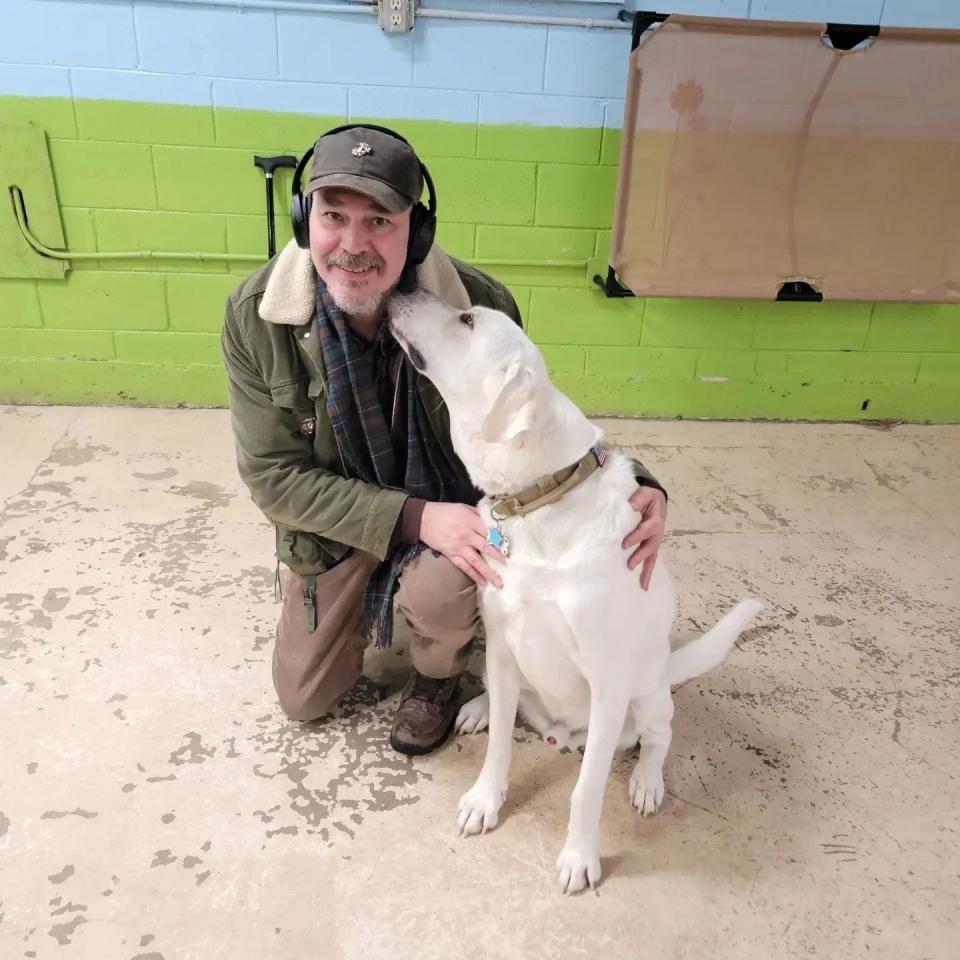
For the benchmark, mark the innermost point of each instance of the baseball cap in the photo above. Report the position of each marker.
(372, 163)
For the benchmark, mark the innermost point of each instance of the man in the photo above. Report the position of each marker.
(347, 450)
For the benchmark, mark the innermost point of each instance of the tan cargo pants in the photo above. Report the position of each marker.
(312, 670)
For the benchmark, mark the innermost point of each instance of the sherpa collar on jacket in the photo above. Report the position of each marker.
(291, 293)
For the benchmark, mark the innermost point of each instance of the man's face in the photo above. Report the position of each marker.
(358, 249)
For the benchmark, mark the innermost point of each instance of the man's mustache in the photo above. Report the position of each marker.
(357, 261)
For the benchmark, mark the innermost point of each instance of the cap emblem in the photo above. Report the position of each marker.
(362, 149)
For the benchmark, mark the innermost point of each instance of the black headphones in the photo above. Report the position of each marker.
(423, 220)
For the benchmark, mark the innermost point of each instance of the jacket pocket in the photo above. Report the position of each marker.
(291, 394)
(308, 553)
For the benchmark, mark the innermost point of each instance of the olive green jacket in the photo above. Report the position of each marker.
(286, 451)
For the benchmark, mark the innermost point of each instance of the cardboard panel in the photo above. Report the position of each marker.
(755, 153)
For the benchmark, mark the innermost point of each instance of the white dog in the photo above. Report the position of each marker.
(572, 640)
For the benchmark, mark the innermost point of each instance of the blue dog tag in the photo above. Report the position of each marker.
(497, 540)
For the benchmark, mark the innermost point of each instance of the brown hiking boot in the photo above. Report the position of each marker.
(425, 715)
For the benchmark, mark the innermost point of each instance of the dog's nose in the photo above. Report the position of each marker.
(552, 741)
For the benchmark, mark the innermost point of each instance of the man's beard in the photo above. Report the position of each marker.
(356, 307)
(353, 303)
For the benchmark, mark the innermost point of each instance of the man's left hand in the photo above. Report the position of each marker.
(647, 536)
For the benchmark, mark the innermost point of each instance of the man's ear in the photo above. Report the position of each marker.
(509, 395)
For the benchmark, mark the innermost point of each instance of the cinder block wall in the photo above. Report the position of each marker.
(153, 113)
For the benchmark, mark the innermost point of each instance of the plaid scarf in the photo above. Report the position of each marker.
(364, 439)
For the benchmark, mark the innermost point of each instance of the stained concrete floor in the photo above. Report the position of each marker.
(156, 804)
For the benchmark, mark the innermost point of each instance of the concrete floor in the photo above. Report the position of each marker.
(156, 804)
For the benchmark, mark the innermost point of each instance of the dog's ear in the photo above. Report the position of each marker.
(509, 395)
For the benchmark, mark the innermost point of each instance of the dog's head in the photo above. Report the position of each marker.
(485, 367)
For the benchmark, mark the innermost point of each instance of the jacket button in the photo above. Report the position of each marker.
(306, 336)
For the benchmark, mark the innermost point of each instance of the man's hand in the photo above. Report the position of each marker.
(651, 504)
(456, 531)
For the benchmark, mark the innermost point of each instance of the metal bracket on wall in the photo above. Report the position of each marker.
(611, 286)
(642, 21)
(397, 16)
(794, 290)
(847, 36)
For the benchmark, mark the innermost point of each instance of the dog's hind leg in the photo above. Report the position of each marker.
(535, 713)
(577, 739)
(654, 713)
(631, 731)
(474, 715)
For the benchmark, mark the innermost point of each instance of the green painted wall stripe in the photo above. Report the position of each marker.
(58, 344)
(182, 178)
(111, 382)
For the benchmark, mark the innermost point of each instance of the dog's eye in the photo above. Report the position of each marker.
(466, 319)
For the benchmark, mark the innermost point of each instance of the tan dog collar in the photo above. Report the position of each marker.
(548, 489)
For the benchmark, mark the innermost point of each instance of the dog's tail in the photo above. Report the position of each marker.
(710, 650)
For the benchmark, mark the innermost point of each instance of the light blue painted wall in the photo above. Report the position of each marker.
(66, 33)
(222, 43)
(344, 64)
(139, 85)
(480, 56)
(281, 96)
(921, 13)
(849, 11)
(27, 80)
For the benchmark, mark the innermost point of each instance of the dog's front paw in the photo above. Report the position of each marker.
(479, 809)
(646, 789)
(474, 715)
(576, 868)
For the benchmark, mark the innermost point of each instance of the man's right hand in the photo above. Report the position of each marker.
(456, 531)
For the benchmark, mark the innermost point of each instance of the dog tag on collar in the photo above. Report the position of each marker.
(497, 540)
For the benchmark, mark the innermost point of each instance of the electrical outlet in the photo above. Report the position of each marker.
(397, 16)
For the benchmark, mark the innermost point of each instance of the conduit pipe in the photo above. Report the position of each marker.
(358, 6)
(20, 213)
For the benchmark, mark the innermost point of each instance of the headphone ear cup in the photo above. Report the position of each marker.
(300, 218)
(423, 230)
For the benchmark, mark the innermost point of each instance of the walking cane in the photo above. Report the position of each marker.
(268, 165)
